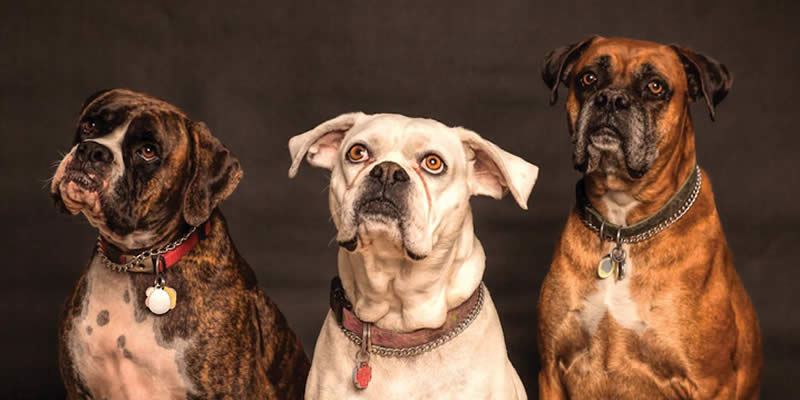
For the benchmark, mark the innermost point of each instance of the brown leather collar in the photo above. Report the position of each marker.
(395, 342)
(674, 209)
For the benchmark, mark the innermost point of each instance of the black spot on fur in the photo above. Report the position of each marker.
(126, 297)
(121, 341)
(88, 330)
(103, 318)
(127, 354)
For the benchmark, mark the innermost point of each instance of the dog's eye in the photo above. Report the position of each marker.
(433, 164)
(588, 79)
(147, 152)
(357, 153)
(655, 87)
(88, 127)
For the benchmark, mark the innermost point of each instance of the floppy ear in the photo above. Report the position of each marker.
(321, 144)
(493, 171)
(215, 174)
(558, 65)
(706, 77)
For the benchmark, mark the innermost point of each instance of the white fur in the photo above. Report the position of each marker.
(611, 296)
(155, 368)
(114, 142)
(396, 292)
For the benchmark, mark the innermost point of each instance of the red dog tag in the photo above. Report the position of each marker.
(362, 374)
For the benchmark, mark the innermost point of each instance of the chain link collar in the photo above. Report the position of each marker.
(411, 351)
(135, 264)
(676, 207)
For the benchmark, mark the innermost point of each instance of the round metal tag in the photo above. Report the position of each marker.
(158, 301)
(605, 267)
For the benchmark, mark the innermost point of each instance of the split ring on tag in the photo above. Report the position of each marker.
(160, 298)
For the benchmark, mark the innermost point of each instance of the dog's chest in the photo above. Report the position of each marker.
(116, 347)
(612, 299)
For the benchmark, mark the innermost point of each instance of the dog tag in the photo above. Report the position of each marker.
(606, 267)
(362, 374)
(160, 299)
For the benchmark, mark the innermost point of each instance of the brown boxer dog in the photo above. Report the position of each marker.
(642, 300)
(167, 307)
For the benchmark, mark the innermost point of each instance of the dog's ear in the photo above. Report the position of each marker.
(494, 171)
(320, 145)
(92, 98)
(558, 65)
(706, 77)
(215, 173)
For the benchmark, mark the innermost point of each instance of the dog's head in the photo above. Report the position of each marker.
(139, 168)
(406, 179)
(628, 100)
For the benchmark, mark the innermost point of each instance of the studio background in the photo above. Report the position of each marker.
(259, 73)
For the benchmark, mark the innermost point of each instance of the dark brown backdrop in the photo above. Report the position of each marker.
(258, 74)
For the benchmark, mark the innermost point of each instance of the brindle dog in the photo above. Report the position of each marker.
(143, 173)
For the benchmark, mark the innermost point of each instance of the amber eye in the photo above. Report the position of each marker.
(433, 164)
(147, 152)
(588, 79)
(358, 153)
(655, 87)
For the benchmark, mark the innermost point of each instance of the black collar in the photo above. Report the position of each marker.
(675, 208)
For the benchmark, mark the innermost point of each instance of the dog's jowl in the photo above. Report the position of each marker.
(410, 318)
(167, 307)
(642, 300)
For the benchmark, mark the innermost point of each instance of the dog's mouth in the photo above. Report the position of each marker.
(84, 181)
(605, 137)
(380, 206)
(80, 191)
(384, 212)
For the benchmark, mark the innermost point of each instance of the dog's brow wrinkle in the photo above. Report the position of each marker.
(603, 62)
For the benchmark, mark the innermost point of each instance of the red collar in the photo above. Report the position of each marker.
(408, 343)
(165, 260)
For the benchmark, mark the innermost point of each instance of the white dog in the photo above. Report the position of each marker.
(409, 262)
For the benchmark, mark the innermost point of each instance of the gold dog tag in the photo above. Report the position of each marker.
(606, 267)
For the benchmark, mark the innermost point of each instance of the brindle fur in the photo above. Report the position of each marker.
(700, 337)
(240, 345)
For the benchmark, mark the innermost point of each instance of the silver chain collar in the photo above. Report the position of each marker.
(425, 347)
(663, 224)
(134, 265)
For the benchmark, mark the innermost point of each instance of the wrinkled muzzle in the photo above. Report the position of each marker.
(384, 205)
(613, 133)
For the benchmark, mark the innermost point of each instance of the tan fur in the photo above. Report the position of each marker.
(680, 325)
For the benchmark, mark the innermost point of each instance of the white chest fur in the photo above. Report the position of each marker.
(118, 355)
(610, 296)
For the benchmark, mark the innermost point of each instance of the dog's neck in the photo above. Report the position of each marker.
(156, 238)
(625, 202)
(400, 294)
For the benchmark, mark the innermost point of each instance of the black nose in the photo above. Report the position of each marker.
(612, 101)
(94, 152)
(388, 173)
